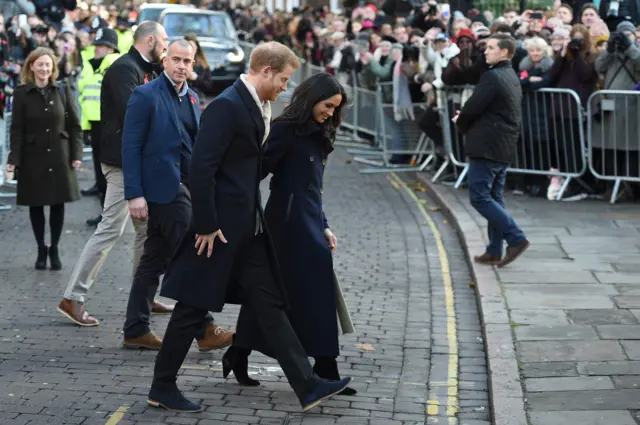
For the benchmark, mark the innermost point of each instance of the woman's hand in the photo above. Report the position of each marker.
(193, 76)
(76, 164)
(331, 239)
(535, 79)
(10, 168)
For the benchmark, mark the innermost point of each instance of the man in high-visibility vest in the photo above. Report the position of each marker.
(89, 84)
(125, 35)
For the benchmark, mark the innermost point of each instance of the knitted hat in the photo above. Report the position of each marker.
(600, 39)
(625, 26)
(466, 32)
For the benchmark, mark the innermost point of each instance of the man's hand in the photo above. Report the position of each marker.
(206, 242)
(10, 168)
(331, 239)
(138, 208)
(454, 119)
(76, 164)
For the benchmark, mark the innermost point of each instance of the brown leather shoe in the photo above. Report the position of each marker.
(514, 252)
(148, 341)
(486, 259)
(74, 311)
(215, 338)
(160, 308)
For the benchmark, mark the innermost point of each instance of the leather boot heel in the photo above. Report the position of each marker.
(238, 362)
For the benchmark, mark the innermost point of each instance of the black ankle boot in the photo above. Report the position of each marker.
(41, 261)
(54, 258)
(237, 360)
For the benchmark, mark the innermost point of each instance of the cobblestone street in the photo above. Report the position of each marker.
(417, 356)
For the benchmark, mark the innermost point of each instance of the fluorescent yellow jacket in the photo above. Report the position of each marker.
(89, 85)
(88, 53)
(125, 40)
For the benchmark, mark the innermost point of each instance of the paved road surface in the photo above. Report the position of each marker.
(573, 309)
(417, 356)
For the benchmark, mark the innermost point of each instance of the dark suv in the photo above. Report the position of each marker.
(217, 36)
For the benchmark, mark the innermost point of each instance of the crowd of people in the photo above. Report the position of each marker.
(87, 78)
(427, 49)
(138, 103)
(415, 53)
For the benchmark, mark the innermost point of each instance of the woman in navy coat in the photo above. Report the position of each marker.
(296, 154)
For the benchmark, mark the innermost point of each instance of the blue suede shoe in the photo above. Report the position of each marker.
(323, 391)
(172, 400)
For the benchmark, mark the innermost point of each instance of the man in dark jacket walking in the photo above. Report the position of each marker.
(491, 121)
(121, 78)
(133, 69)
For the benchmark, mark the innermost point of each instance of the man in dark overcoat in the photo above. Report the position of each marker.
(224, 179)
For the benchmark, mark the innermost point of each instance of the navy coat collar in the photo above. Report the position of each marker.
(252, 107)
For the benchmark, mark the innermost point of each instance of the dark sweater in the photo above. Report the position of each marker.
(187, 126)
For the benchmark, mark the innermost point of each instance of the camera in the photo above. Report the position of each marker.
(575, 43)
(537, 15)
(40, 29)
(433, 10)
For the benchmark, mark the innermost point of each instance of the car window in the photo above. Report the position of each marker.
(179, 24)
(150, 14)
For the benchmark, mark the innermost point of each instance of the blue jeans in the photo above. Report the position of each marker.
(486, 188)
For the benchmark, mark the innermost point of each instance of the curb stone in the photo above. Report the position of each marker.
(505, 388)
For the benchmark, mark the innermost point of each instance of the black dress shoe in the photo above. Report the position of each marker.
(41, 261)
(92, 191)
(93, 222)
(237, 360)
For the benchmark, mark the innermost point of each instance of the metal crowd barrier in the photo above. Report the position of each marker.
(5, 127)
(612, 137)
(372, 115)
(551, 142)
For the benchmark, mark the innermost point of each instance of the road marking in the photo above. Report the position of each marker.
(433, 406)
(117, 415)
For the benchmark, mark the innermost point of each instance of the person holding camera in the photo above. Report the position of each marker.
(573, 69)
(620, 65)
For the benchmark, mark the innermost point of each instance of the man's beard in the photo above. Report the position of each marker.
(154, 57)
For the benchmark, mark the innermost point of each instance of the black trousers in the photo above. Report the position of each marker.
(101, 182)
(261, 294)
(167, 224)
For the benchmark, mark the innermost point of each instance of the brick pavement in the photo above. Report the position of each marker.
(573, 311)
(410, 346)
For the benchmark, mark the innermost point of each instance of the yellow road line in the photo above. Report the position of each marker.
(452, 328)
(117, 415)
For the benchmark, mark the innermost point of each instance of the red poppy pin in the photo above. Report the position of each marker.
(193, 99)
